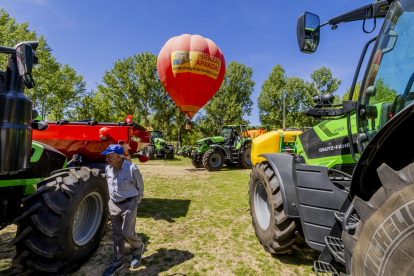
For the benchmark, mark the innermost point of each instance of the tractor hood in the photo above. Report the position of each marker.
(159, 140)
(211, 140)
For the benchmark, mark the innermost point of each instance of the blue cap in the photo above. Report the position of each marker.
(113, 149)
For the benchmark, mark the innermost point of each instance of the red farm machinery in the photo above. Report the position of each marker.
(60, 207)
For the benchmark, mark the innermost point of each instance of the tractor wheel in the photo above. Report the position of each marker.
(196, 160)
(213, 160)
(245, 161)
(171, 154)
(384, 238)
(63, 222)
(277, 233)
(151, 152)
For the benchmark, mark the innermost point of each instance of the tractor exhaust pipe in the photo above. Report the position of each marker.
(16, 108)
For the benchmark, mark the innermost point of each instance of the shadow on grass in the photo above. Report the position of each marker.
(163, 209)
(224, 169)
(196, 169)
(164, 260)
(168, 160)
(304, 256)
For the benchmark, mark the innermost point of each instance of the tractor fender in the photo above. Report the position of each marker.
(282, 166)
(215, 146)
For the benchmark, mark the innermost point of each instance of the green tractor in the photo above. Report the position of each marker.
(351, 197)
(232, 148)
(158, 147)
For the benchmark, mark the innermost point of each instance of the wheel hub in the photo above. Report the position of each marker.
(261, 205)
(215, 160)
(87, 218)
(247, 157)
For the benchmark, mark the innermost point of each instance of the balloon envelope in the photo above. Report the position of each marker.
(191, 68)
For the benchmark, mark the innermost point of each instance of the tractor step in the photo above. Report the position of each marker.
(336, 247)
(324, 269)
(353, 219)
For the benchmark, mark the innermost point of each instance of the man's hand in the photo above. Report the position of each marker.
(139, 197)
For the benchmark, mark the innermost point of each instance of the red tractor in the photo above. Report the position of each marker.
(60, 207)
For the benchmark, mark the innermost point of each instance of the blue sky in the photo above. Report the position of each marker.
(91, 35)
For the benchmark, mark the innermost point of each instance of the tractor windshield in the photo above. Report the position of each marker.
(156, 134)
(225, 133)
(387, 86)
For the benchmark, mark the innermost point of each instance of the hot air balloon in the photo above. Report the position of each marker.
(191, 68)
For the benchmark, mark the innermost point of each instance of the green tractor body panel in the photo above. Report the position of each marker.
(205, 143)
(326, 144)
(29, 178)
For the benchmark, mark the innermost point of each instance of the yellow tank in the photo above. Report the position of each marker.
(271, 143)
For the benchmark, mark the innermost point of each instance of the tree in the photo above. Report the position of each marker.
(278, 92)
(345, 97)
(383, 92)
(121, 89)
(131, 85)
(322, 80)
(93, 105)
(270, 101)
(149, 86)
(66, 90)
(57, 85)
(232, 101)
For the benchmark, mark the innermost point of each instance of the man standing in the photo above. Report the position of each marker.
(126, 189)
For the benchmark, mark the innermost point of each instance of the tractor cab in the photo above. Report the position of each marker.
(156, 134)
(233, 134)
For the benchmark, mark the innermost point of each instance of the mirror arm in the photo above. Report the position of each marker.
(326, 23)
(369, 11)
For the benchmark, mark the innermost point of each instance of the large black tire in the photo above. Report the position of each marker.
(383, 243)
(171, 154)
(213, 160)
(151, 152)
(196, 160)
(63, 222)
(245, 161)
(277, 233)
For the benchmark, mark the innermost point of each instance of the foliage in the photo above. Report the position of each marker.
(322, 80)
(295, 93)
(58, 86)
(232, 101)
(383, 92)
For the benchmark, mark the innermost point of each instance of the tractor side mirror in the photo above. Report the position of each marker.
(307, 31)
(26, 59)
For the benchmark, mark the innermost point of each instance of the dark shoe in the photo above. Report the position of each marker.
(137, 259)
(112, 269)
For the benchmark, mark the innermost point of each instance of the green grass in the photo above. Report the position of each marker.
(196, 222)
